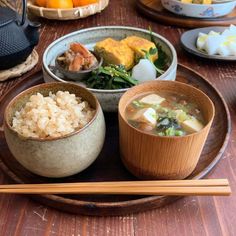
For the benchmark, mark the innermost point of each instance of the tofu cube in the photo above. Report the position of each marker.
(192, 125)
(152, 99)
(146, 115)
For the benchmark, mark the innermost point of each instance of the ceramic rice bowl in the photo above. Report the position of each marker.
(62, 156)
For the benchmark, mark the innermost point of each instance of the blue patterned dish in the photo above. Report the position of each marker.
(199, 10)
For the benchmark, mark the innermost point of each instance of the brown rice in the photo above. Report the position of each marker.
(52, 116)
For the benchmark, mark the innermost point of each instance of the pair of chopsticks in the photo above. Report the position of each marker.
(166, 187)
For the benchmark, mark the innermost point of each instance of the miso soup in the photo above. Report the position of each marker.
(165, 114)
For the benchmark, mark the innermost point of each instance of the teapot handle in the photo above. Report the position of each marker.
(24, 3)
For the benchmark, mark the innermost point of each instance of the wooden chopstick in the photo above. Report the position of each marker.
(152, 183)
(177, 191)
(174, 187)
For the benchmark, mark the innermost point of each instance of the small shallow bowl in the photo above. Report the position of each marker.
(150, 156)
(62, 156)
(198, 10)
(89, 37)
(77, 75)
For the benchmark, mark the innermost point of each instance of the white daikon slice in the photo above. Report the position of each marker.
(144, 71)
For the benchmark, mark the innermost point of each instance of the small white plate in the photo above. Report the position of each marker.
(189, 38)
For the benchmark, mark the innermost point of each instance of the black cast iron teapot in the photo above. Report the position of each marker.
(18, 36)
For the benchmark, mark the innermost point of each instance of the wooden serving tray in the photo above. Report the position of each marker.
(154, 9)
(108, 166)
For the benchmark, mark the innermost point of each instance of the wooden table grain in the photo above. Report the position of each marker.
(199, 216)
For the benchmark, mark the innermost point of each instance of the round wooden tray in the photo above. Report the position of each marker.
(108, 166)
(154, 9)
(67, 14)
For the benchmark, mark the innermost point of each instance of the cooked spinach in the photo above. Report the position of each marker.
(162, 61)
(110, 77)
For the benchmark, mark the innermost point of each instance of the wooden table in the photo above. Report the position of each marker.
(211, 216)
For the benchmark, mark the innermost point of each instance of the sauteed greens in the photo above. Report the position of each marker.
(110, 77)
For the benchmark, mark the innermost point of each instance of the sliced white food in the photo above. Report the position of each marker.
(231, 38)
(201, 40)
(192, 125)
(224, 50)
(144, 71)
(212, 44)
(218, 43)
(212, 32)
(146, 115)
(152, 99)
(232, 48)
(228, 32)
(232, 28)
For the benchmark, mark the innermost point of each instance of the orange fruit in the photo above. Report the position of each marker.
(79, 3)
(41, 3)
(59, 4)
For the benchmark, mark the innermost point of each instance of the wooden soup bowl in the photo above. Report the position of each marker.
(150, 156)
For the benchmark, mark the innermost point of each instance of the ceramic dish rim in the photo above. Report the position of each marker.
(163, 39)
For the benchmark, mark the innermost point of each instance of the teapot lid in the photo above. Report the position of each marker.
(7, 15)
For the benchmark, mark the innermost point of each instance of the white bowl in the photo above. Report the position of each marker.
(108, 98)
(199, 10)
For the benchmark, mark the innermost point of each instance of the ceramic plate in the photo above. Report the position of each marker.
(189, 38)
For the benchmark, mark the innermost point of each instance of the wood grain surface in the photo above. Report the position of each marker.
(211, 216)
(115, 170)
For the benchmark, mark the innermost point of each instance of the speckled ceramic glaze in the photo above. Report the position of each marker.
(56, 157)
(199, 10)
(108, 98)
